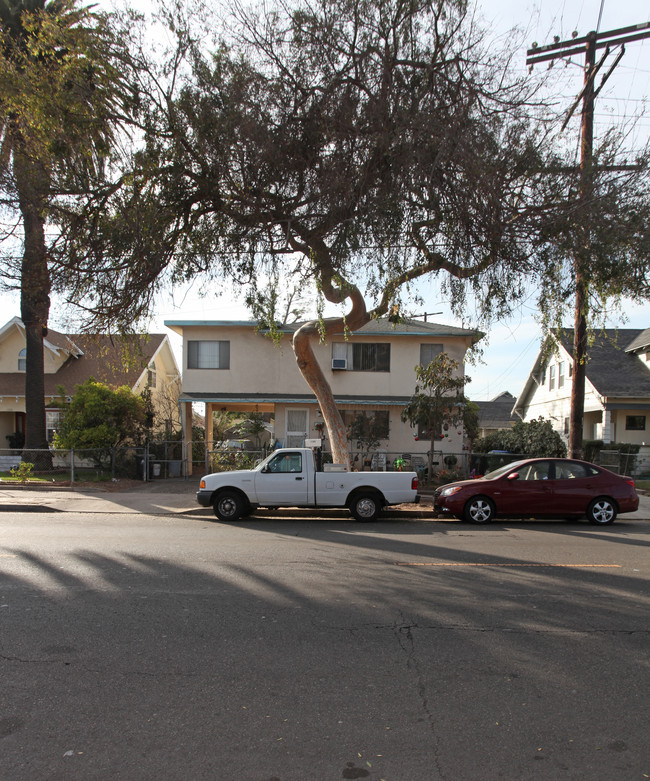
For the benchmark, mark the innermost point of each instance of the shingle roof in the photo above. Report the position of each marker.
(496, 413)
(611, 369)
(641, 342)
(114, 360)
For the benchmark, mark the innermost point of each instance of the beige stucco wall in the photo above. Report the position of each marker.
(256, 365)
(165, 395)
(11, 346)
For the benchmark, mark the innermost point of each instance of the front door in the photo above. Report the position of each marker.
(297, 427)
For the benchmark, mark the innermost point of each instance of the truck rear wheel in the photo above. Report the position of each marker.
(228, 506)
(365, 507)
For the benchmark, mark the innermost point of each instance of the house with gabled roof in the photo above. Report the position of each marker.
(496, 414)
(139, 362)
(232, 366)
(617, 392)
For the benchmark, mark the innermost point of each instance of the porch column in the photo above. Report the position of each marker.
(209, 428)
(186, 424)
(607, 426)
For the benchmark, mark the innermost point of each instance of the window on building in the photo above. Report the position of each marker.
(551, 379)
(560, 375)
(208, 355)
(151, 377)
(362, 357)
(52, 422)
(567, 425)
(428, 352)
(22, 360)
(635, 422)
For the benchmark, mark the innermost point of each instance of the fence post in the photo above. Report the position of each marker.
(71, 466)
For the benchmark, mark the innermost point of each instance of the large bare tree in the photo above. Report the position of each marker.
(353, 146)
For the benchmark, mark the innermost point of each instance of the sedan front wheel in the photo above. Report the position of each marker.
(479, 509)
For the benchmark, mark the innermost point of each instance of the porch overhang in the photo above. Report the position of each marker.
(265, 402)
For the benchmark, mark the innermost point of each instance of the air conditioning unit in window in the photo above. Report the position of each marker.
(339, 363)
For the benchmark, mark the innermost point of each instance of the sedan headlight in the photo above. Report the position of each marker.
(451, 490)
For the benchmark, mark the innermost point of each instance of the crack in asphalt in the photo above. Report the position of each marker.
(403, 632)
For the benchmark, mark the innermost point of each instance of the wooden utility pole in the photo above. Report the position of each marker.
(588, 44)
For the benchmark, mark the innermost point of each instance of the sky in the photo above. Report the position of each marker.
(510, 347)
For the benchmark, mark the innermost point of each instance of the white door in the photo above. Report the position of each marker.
(296, 428)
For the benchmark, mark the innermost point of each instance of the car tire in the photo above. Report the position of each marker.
(365, 507)
(602, 511)
(228, 506)
(479, 509)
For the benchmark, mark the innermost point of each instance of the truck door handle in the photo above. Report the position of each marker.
(298, 478)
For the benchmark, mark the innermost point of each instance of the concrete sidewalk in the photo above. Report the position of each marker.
(178, 497)
(156, 497)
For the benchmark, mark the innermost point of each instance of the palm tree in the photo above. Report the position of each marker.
(61, 97)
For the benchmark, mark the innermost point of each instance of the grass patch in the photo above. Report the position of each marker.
(644, 484)
(47, 478)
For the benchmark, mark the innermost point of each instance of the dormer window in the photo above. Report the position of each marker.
(22, 360)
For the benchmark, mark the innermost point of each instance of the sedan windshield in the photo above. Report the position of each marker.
(502, 470)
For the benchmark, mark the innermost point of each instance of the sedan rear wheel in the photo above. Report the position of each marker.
(479, 509)
(602, 511)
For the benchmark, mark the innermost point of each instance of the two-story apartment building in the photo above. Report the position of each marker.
(617, 392)
(230, 365)
(139, 362)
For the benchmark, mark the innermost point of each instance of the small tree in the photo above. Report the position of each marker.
(438, 399)
(254, 426)
(367, 432)
(100, 418)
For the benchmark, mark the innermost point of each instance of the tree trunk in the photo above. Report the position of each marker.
(32, 183)
(314, 377)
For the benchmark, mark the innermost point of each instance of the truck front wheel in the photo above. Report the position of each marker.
(365, 507)
(228, 506)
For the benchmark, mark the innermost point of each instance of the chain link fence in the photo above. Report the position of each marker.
(171, 459)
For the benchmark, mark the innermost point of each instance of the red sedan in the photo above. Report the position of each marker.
(543, 488)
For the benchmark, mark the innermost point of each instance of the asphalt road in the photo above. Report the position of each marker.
(142, 647)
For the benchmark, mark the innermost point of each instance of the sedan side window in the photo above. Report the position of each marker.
(571, 471)
(536, 471)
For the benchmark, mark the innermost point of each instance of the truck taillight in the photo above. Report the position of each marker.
(414, 484)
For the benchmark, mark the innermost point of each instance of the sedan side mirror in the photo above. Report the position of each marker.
(513, 476)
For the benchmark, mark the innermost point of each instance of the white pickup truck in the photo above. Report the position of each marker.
(288, 478)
